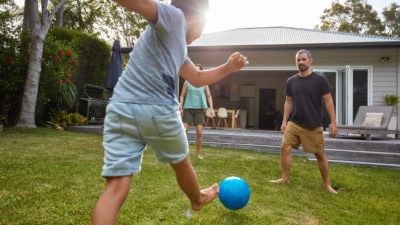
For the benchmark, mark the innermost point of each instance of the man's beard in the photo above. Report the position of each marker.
(303, 68)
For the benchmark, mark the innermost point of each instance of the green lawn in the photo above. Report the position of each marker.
(53, 177)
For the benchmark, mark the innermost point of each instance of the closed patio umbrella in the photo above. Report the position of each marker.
(115, 67)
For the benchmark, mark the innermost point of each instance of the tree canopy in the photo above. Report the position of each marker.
(357, 16)
(391, 16)
(104, 18)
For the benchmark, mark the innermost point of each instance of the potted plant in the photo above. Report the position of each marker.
(392, 100)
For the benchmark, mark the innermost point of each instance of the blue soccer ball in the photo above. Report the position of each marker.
(234, 193)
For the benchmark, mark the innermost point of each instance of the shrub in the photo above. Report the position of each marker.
(57, 89)
(62, 66)
(94, 56)
(60, 120)
(391, 99)
(13, 68)
(70, 59)
(62, 75)
(77, 119)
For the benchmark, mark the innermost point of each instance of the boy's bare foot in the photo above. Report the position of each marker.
(330, 189)
(280, 181)
(207, 196)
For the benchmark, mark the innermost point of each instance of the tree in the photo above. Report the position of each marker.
(117, 22)
(27, 10)
(104, 18)
(39, 24)
(82, 14)
(355, 16)
(9, 18)
(391, 16)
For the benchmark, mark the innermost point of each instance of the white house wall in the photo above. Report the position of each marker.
(276, 80)
(385, 75)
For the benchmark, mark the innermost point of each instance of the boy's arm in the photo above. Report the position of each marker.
(200, 78)
(146, 8)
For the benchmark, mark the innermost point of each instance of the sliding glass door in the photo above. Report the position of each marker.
(360, 89)
(351, 88)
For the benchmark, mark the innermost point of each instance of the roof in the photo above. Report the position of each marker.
(289, 37)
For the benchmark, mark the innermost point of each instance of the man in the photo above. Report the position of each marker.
(305, 92)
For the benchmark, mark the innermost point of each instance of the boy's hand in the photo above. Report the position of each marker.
(236, 62)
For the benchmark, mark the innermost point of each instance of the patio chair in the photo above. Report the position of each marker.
(364, 122)
(92, 104)
(222, 114)
(210, 115)
(237, 118)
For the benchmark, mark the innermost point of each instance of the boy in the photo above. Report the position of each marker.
(144, 109)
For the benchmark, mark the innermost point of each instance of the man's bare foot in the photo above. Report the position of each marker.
(330, 189)
(207, 196)
(280, 181)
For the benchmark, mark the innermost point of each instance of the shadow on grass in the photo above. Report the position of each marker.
(341, 189)
(236, 217)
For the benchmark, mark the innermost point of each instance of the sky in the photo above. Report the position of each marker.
(230, 14)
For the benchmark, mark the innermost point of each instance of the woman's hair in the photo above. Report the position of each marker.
(199, 66)
(191, 7)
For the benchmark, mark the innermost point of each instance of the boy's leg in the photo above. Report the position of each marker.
(114, 195)
(199, 136)
(187, 180)
(186, 125)
(323, 168)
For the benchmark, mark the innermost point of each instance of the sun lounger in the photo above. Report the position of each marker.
(366, 131)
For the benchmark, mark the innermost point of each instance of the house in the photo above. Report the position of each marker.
(361, 69)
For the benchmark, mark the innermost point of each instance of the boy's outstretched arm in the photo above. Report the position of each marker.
(146, 8)
(204, 77)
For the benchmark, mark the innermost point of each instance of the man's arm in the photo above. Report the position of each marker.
(330, 108)
(146, 8)
(287, 109)
(200, 78)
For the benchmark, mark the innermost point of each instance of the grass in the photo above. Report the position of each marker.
(53, 177)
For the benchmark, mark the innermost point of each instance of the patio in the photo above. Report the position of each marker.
(380, 152)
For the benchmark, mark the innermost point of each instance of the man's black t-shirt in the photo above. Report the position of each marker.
(307, 93)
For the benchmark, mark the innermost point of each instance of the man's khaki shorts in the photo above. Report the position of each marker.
(312, 139)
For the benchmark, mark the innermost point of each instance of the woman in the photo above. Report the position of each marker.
(193, 103)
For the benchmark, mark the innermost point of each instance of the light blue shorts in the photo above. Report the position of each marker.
(129, 128)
